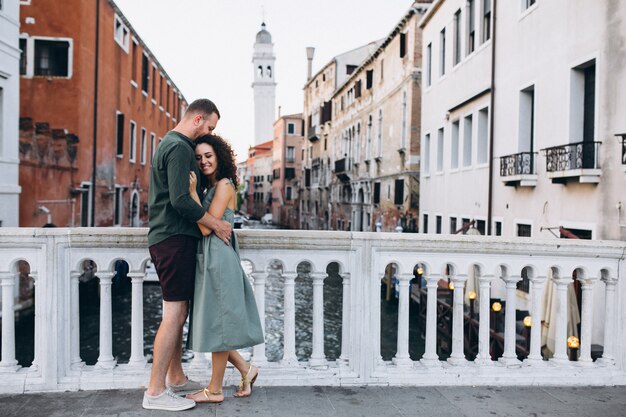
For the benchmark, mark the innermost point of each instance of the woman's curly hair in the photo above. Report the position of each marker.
(226, 163)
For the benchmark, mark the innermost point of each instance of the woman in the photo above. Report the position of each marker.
(224, 315)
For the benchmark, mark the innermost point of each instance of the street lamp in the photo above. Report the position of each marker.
(573, 343)
(528, 322)
(472, 298)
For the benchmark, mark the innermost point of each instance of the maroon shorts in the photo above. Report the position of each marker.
(175, 262)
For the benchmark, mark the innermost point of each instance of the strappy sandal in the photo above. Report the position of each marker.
(206, 393)
(245, 381)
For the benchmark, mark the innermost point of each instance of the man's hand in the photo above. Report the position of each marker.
(193, 182)
(223, 230)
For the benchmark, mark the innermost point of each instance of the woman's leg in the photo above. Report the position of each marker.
(238, 362)
(248, 373)
(213, 393)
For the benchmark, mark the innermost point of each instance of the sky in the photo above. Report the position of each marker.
(206, 47)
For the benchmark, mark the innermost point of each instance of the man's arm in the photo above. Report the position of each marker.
(178, 185)
(211, 224)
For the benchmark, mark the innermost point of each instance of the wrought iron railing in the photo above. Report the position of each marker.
(581, 155)
(522, 163)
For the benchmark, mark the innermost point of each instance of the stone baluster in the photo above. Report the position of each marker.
(258, 352)
(608, 355)
(345, 319)
(509, 357)
(484, 331)
(560, 321)
(8, 362)
(137, 358)
(289, 355)
(430, 357)
(105, 359)
(75, 361)
(457, 357)
(586, 324)
(318, 359)
(402, 357)
(534, 356)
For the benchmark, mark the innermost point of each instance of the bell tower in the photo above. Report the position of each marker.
(264, 86)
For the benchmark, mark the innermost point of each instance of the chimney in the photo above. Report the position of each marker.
(309, 57)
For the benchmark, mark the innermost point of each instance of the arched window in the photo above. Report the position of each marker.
(260, 71)
(269, 72)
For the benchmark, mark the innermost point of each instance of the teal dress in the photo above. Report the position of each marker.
(224, 315)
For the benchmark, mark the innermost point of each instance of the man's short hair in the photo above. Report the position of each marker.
(204, 106)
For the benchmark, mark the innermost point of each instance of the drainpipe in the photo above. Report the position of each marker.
(491, 120)
(94, 151)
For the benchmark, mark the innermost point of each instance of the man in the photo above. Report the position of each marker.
(172, 240)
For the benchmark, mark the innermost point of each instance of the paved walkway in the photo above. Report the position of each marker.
(341, 401)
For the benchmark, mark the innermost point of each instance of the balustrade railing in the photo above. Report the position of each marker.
(491, 267)
(581, 155)
(522, 163)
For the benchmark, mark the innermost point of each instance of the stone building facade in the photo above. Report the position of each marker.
(287, 170)
(94, 103)
(259, 185)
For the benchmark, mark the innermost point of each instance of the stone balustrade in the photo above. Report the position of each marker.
(56, 257)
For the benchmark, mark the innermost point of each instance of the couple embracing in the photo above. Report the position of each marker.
(192, 199)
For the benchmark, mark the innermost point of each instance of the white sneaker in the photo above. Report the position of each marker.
(167, 401)
(187, 388)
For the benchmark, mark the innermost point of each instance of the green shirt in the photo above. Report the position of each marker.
(171, 210)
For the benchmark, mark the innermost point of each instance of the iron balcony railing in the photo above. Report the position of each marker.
(522, 163)
(581, 155)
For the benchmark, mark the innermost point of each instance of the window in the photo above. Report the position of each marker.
(526, 141)
(464, 223)
(291, 128)
(152, 147)
(52, 58)
(471, 32)
(290, 173)
(369, 79)
(368, 150)
(524, 284)
(498, 228)
(276, 175)
(145, 73)
(118, 206)
(486, 20)
(480, 226)
(120, 133)
(426, 154)
(442, 52)
(467, 141)
(379, 139)
(482, 147)
(457, 38)
(425, 224)
(350, 69)
(582, 110)
(523, 230)
(438, 225)
(121, 33)
(453, 226)
(291, 154)
(23, 48)
(132, 156)
(133, 68)
(398, 195)
(142, 147)
(377, 193)
(527, 4)
(288, 194)
(154, 83)
(454, 144)
(85, 204)
(161, 91)
(357, 89)
(382, 68)
(440, 150)
(402, 45)
(429, 55)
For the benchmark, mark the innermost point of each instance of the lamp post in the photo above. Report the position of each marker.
(528, 322)
(496, 307)
(573, 343)
(472, 298)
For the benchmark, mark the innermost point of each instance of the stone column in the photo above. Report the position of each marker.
(137, 358)
(484, 357)
(75, 361)
(345, 319)
(560, 322)
(608, 356)
(402, 357)
(430, 357)
(457, 357)
(8, 362)
(509, 357)
(318, 359)
(258, 352)
(289, 356)
(105, 359)
(586, 324)
(534, 356)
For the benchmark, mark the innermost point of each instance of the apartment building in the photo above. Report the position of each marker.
(287, 170)
(94, 103)
(259, 186)
(9, 104)
(554, 166)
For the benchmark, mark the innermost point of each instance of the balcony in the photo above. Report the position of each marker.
(488, 265)
(573, 162)
(519, 170)
(313, 133)
(340, 170)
